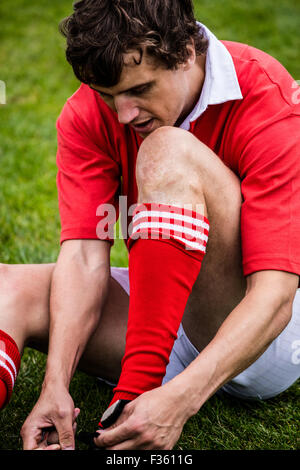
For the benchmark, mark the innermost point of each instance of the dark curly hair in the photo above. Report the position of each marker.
(99, 32)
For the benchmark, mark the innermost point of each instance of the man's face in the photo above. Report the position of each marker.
(148, 96)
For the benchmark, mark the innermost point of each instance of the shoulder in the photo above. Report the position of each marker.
(259, 72)
(86, 112)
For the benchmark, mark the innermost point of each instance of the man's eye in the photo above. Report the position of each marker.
(141, 90)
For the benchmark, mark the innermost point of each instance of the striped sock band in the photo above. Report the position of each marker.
(165, 222)
(9, 363)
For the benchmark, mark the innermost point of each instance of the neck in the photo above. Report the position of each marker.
(195, 80)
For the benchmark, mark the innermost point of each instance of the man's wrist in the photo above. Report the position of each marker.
(196, 386)
(182, 396)
(56, 378)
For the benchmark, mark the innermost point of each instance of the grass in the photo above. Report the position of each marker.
(38, 81)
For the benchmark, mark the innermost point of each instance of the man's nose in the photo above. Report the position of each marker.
(126, 109)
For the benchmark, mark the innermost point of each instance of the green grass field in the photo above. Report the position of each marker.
(38, 81)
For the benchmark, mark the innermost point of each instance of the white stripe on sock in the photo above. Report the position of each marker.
(177, 228)
(8, 370)
(171, 215)
(8, 359)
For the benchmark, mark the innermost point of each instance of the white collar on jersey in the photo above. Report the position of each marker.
(220, 83)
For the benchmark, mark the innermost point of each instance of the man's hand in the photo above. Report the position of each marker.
(154, 420)
(55, 408)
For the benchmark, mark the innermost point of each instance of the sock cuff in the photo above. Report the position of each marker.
(4, 336)
(10, 360)
(123, 395)
(186, 227)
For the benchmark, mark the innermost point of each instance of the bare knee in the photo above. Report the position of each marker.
(13, 309)
(10, 285)
(175, 167)
(167, 168)
(24, 298)
(164, 154)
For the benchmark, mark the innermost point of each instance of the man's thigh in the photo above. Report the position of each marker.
(276, 369)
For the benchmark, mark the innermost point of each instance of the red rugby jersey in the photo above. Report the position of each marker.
(257, 137)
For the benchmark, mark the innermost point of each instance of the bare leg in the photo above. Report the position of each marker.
(174, 167)
(24, 314)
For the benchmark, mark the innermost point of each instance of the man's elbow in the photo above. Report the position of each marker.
(277, 290)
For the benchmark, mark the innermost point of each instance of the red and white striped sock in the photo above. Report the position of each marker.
(9, 367)
(166, 250)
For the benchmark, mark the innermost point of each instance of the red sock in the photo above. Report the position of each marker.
(166, 248)
(9, 367)
(3, 394)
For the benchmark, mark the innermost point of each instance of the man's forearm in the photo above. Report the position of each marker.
(242, 338)
(77, 296)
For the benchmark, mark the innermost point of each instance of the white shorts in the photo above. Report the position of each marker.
(272, 373)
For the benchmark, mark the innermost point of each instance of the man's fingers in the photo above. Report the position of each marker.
(31, 437)
(65, 433)
(66, 428)
(52, 435)
(51, 447)
(34, 442)
(114, 436)
(45, 446)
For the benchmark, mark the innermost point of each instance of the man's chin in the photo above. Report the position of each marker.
(153, 128)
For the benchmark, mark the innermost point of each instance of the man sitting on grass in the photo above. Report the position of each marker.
(202, 137)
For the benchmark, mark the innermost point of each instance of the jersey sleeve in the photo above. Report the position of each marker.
(270, 214)
(88, 181)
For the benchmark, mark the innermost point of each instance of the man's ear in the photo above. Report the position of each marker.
(192, 57)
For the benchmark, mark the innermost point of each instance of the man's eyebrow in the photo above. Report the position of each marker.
(136, 87)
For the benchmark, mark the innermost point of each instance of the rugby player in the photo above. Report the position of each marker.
(202, 138)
